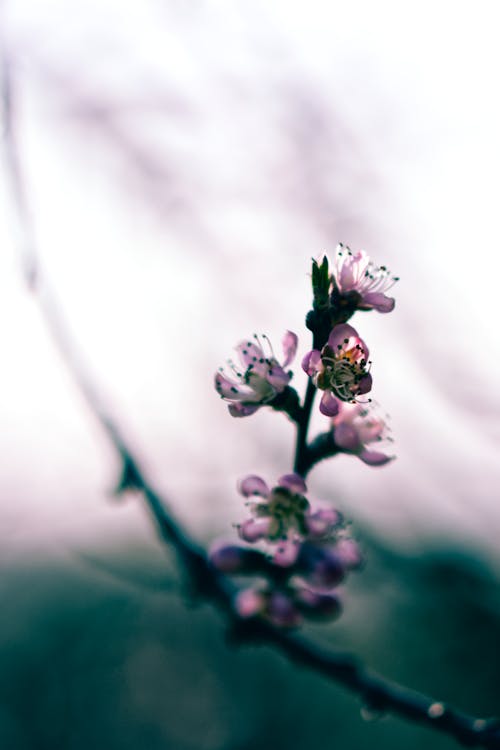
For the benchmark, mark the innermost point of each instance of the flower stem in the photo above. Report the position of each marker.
(301, 462)
(323, 446)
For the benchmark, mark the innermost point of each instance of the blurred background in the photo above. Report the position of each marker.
(183, 161)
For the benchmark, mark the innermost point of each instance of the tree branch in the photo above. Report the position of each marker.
(376, 692)
(300, 461)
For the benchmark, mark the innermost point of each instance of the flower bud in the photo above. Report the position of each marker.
(313, 604)
(282, 611)
(320, 565)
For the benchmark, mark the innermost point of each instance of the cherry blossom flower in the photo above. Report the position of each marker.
(356, 273)
(306, 554)
(283, 517)
(259, 377)
(356, 427)
(339, 369)
(279, 514)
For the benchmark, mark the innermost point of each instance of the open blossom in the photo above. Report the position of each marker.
(356, 428)
(340, 368)
(283, 517)
(355, 272)
(258, 378)
(278, 514)
(306, 554)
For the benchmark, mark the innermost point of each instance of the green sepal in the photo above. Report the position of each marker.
(320, 283)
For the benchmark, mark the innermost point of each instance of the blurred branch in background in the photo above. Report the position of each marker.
(377, 694)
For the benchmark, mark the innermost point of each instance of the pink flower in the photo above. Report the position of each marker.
(308, 554)
(339, 369)
(259, 378)
(279, 514)
(276, 606)
(283, 517)
(355, 427)
(286, 607)
(355, 272)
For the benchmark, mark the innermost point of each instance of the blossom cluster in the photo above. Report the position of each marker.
(302, 552)
(306, 554)
(340, 368)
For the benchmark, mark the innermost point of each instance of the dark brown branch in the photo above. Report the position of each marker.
(299, 464)
(323, 446)
(376, 692)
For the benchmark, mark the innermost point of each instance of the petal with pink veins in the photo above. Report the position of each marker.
(349, 553)
(344, 331)
(322, 521)
(346, 278)
(286, 553)
(249, 352)
(346, 437)
(329, 406)
(227, 388)
(254, 529)
(293, 482)
(253, 485)
(281, 610)
(374, 458)
(378, 301)
(339, 333)
(311, 364)
(290, 343)
(277, 377)
(242, 410)
(249, 602)
(370, 430)
(365, 384)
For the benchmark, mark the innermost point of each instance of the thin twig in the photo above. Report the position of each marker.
(302, 428)
(376, 692)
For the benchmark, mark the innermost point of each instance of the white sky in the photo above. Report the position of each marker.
(184, 161)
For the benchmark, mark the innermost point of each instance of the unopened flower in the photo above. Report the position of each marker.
(340, 368)
(317, 604)
(275, 605)
(355, 273)
(356, 428)
(287, 606)
(258, 378)
(327, 553)
(320, 565)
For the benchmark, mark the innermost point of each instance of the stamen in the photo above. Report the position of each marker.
(266, 339)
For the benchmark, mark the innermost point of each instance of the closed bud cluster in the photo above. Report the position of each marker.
(302, 552)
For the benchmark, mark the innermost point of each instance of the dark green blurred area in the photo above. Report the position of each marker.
(102, 650)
